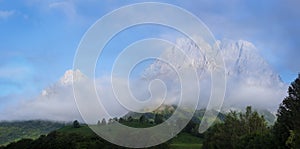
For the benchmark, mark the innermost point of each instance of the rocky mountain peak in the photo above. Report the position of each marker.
(70, 76)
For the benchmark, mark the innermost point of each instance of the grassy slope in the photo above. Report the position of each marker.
(182, 140)
(14, 131)
(186, 146)
(186, 141)
(83, 130)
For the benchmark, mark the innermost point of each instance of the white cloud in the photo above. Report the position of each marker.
(251, 83)
(57, 102)
(6, 13)
(68, 8)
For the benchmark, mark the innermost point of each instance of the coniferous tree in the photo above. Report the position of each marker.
(142, 119)
(103, 122)
(130, 119)
(239, 130)
(158, 118)
(121, 120)
(287, 127)
(76, 124)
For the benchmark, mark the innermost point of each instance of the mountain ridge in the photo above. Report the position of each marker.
(247, 72)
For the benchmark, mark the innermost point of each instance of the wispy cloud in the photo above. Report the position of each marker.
(57, 102)
(16, 72)
(66, 7)
(6, 13)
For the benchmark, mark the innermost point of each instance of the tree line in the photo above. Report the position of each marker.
(249, 130)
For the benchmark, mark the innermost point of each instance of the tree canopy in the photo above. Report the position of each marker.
(237, 131)
(76, 124)
(287, 127)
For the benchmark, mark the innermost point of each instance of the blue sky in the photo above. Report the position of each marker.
(39, 38)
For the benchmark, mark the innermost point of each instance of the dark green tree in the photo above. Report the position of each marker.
(103, 122)
(191, 127)
(158, 118)
(76, 124)
(287, 126)
(65, 140)
(110, 121)
(115, 119)
(142, 119)
(121, 120)
(130, 119)
(237, 130)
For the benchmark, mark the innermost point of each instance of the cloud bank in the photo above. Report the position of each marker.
(250, 81)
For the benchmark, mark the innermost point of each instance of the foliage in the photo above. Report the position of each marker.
(130, 119)
(287, 127)
(237, 130)
(186, 146)
(103, 122)
(142, 119)
(69, 137)
(186, 138)
(76, 124)
(158, 118)
(16, 130)
(256, 140)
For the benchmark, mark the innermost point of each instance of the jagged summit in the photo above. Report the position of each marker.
(244, 62)
(66, 80)
(70, 76)
(250, 79)
(241, 58)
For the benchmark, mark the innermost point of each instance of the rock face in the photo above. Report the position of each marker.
(247, 73)
(243, 61)
(65, 81)
(241, 58)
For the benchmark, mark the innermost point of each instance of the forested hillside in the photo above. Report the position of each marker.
(16, 130)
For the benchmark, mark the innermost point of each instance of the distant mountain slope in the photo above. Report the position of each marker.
(270, 117)
(250, 79)
(16, 130)
(241, 58)
(71, 138)
(167, 111)
(84, 137)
